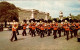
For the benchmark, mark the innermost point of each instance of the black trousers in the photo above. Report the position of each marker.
(13, 36)
(51, 29)
(49, 32)
(46, 31)
(33, 33)
(67, 33)
(42, 33)
(62, 29)
(38, 31)
(55, 35)
(75, 32)
(59, 32)
(30, 31)
(17, 31)
(24, 32)
(64, 32)
(71, 33)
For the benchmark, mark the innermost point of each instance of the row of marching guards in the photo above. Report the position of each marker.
(66, 27)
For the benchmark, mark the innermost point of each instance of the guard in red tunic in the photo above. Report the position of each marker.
(59, 28)
(67, 29)
(42, 31)
(13, 31)
(24, 28)
(49, 31)
(33, 27)
(49, 27)
(64, 28)
(55, 28)
(72, 27)
(33, 30)
(77, 27)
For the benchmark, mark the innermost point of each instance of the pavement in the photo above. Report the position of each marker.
(37, 43)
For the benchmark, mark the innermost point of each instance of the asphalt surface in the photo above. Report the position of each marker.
(37, 43)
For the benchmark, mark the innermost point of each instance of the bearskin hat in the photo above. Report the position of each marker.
(67, 19)
(71, 21)
(24, 20)
(59, 21)
(55, 19)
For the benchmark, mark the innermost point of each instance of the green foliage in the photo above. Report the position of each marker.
(8, 11)
(76, 17)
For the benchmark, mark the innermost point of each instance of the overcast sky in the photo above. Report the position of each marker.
(51, 6)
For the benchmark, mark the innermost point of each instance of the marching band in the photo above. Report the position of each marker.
(49, 27)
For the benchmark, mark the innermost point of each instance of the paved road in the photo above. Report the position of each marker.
(37, 43)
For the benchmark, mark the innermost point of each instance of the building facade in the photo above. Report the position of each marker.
(27, 14)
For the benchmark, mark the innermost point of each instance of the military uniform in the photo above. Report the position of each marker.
(33, 30)
(64, 28)
(67, 30)
(13, 32)
(72, 27)
(42, 31)
(59, 28)
(49, 30)
(30, 28)
(24, 29)
(76, 30)
(55, 28)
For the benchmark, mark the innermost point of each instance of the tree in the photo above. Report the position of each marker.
(8, 11)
